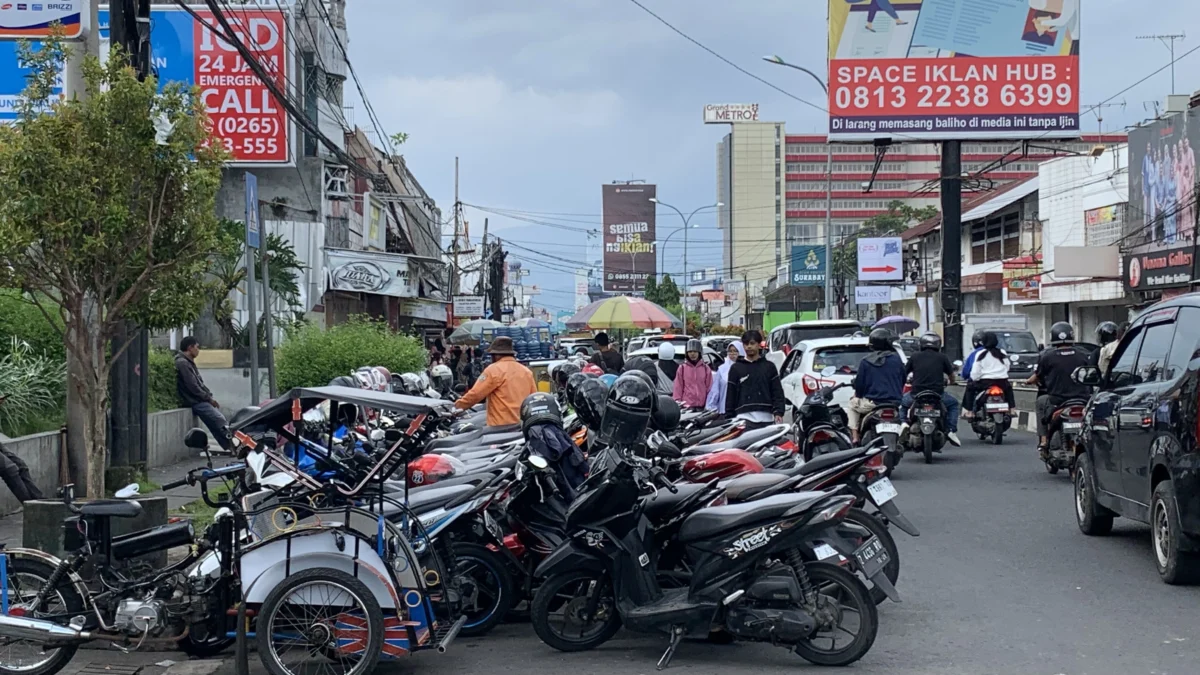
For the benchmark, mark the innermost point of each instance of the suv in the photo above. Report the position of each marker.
(783, 338)
(580, 346)
(1139, 453)
(1022, 349)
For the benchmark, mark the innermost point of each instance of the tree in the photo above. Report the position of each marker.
(668, 292)
(108, 216)
(228, 272)
(651, 291)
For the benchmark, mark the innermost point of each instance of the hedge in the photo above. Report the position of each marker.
(21, 319)
(162, 394)
(311, 357)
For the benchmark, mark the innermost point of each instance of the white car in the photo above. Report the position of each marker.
(784, 338)
(801, 372)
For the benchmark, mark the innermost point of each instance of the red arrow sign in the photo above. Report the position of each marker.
(889, 268)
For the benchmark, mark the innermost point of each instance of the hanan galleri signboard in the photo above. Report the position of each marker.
(628, 237)
(953, 69)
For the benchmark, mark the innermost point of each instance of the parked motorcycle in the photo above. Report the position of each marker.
(992, 417)
(820, 426)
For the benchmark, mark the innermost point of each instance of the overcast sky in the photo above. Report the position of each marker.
(545, 100)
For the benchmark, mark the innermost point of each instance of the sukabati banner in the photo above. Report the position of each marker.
(953, 69)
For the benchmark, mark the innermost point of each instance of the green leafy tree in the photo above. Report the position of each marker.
(668, 293)
(228, 273)
(651, 291)
(107, 216)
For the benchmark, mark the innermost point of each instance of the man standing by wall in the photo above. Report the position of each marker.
(193, 394)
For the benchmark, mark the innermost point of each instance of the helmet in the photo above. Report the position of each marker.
(694, 345)
(345, 381)
(572, 384)
(443, 379)
(1106, 332)
(593, 370)
(641, 375)
(412, 384)
(666, 351)
(881, 339)
(627, 411)
(931, 341)
(429, 469)
(977, 338)
(564, 371)
(383, 378)
(589, 400)
(608, 379)
(347, 414)
(426, 383)
(365, 377)
(540, 408)
(666, 415)
(645, 365)
(1061, 333)
(721, 464)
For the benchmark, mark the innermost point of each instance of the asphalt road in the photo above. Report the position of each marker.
(1000, 581)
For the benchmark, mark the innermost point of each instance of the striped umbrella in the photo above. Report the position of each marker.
(622, 312)
(530, 322)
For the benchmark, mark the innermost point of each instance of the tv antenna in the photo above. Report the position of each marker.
(1168, 41)
(1098, 110)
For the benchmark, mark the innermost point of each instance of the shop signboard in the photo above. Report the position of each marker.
(369, 272)
(808, 266)
(1163, 268)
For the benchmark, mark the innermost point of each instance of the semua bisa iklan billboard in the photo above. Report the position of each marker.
(953, 69)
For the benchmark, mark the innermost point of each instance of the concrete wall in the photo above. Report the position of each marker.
(166, 431)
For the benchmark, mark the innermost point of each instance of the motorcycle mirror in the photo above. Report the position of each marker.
(196, 439)
(538, 462)
(1087, 375)
(829, 370)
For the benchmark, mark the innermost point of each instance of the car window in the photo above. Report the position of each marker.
(1183, 347)
(776, 340)
(801, 333)
(1018, 343)
(844, 359)
(1153, 356)
(792, 362)
(1122, 373)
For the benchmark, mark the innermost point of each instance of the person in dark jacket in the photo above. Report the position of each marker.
(193, 394)
(15, 473)
(753, 392)
(880, 379)
(607, 358)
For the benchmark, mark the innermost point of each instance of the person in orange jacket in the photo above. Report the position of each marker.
(505, 384)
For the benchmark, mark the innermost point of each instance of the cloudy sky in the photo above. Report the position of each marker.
(545, 100)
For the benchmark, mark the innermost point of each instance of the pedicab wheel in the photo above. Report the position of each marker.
(320, 620)
(844, 610)
(26, 578)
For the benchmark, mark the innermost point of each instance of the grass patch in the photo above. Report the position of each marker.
(198, 512)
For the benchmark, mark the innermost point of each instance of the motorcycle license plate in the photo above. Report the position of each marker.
(997, 407)
(1072, 426)
(882, 491)
(872, 557)
(887, 428)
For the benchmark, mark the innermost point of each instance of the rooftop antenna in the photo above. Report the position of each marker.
(1168, 41)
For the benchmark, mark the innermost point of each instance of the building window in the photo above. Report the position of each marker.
(996, 239)
(1102, 227)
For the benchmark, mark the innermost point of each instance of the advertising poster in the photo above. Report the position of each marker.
(1162, 181)
(253, 128)
(953, 69)
(1022, 280)
(31, 20)
(880, 259)
(368, 272)
(581, 288)
(872, 295)
(808, 265)
(628, 237)
(1159, 269)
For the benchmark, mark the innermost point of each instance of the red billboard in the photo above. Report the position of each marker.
(628, 237)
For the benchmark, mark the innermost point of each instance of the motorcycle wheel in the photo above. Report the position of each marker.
(997, 435)
(568, 597)
(290, 626)
(25, 578)
(1055, 442)
(928, 448)
(861, 520)
(841, 597)
(206, 648)
(493, 593)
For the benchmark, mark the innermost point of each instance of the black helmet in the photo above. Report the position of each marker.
(1061, 333)
(694, 345)
(931, 342)
(641, 375)
(589, 400)
(881, 339)
(977, 338)
(1106, 332)
(627, 412)
(540, 408)
(564, 371)
(644, 365)
(666, 414)
(572, 385)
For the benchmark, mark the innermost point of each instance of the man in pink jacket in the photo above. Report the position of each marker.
(694, 378)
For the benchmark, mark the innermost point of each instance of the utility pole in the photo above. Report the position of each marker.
(1168, 41)
(457, 224)
(952, 246)
(485, 267)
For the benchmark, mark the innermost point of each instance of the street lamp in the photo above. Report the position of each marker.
(828, 188)
(686, 219)
(662, 246)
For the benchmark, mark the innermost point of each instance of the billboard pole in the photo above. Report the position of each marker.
(952, 247)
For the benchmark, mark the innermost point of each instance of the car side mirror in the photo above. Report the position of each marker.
(1087, 375)
(196, 439)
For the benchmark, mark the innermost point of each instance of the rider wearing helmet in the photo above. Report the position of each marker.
(1053, 377)
(930, 371)
(694, 378)
(880, 379)
(977, 346)
(667, 367)
(542, 423)
(753, 392)
(990, 369)
(1108, 334)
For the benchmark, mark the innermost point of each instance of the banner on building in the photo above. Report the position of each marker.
(375, 236)
(468, 306)
(1155, 270)
(1022, 280)
(33, 20)
(369, 272)
(421, 308)
(729, 113)
(1162, 179)
(808, 266)
(895, 71)
(581, 288)
(872, 295)
(880, 259)
(628, 237)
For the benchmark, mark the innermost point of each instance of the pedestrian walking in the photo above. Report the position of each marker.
(193, 394)
(504, 384)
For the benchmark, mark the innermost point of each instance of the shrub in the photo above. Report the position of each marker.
(311, 357)
(21, 319)
(162, 394)
(32, 385)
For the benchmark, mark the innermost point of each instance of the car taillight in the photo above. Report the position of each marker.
(995, 391)
(810, 384)
(887, 414)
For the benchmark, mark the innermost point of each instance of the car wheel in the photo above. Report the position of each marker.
(1175, 565)
(1093, 519)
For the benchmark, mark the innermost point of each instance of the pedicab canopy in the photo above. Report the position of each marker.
(278, 412)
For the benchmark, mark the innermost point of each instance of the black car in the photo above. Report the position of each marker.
(1140, 458)
(1022, 349)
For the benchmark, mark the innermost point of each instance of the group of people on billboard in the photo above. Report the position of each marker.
(1168, 177)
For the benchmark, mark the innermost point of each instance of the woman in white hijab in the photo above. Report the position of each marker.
(716, 395)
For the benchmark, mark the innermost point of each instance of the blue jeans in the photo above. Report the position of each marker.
(952, 410)
(216, 423)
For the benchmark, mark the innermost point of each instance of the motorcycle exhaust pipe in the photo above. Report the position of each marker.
(451, 634)
(22, 628)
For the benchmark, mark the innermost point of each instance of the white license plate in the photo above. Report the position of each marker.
(882, 491)
(1072, 425)
(824, 551)
(886, 428)
(998, 407)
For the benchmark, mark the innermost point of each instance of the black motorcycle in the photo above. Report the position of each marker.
(884, 422)
(820, 426)
(748, 577)
(993, 416)
(1064, 429)
(927, 424)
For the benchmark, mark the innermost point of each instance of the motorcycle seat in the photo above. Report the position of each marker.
(491, 464)
(704, 435)
(717, 519)
(453, 441)
(111, 508)
(659, 505)
(820, 462)
(747, 488)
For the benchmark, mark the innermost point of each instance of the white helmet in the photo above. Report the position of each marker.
(666, 351)
(443, 379)
(412, 384)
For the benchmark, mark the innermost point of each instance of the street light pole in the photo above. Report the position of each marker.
(686, 219)
(828, 189)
